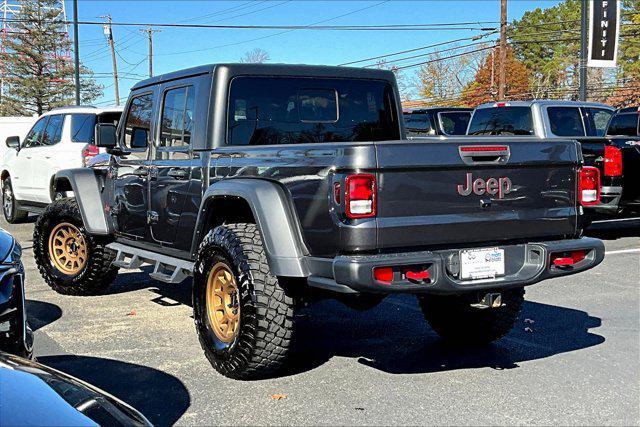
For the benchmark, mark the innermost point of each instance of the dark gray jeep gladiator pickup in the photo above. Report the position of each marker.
(271, 184)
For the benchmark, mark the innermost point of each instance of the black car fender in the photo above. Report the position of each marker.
(274, 216)
(85, 185)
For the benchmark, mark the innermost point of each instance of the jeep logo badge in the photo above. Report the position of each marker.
(492, 186)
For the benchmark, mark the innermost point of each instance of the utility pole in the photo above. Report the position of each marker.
(150, 32)
(584, 7)
(76, 50)
(502, 79)
(109, 33)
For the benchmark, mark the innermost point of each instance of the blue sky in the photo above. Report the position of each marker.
(172, 45)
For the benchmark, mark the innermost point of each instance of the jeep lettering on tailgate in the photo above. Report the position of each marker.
(500, 186)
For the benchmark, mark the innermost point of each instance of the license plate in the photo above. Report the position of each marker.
(481, 263)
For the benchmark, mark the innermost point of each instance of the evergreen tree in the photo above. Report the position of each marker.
(36, 76)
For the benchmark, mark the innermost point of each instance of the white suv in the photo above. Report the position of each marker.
(60, 139)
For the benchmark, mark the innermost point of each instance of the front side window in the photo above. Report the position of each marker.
(599, 119)
(177, 117)
(83, 128)
(502, 121)
(565, 121)
(35, 134)
(455, 122)
(418, 123)
(53, 132)
(137, 128)
(297, 110)
(624, 125)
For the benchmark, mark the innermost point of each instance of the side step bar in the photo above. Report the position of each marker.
(165, 268)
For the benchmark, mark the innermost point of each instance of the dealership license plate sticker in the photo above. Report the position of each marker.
(481, 263)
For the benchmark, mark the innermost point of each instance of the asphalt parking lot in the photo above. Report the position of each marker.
(573, 358)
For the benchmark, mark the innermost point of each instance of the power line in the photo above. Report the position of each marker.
(413, 50)
(444, 58)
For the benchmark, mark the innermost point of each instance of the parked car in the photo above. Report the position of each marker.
(617, 156)
(593, 125)
(15, 335)
(60, 139)
(541, 118)
(37, 395)
(436, 121)
(270, 182)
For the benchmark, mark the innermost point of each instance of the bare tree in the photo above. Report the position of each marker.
(255, 56)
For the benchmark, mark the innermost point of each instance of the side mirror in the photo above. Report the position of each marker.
(13, 142)
(106, 135)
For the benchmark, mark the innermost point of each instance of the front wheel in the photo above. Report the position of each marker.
(9, 204)
(70, 260)
(243, 315)
(457, 321)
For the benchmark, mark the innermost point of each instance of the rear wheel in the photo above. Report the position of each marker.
(69, 259)
(243, 314)
(9, 205)
(457, 321)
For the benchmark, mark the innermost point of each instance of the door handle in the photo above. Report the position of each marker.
(177, 173)
(141, 172)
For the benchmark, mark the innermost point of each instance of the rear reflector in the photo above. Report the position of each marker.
(383, 274)
(568, 259)
(589, 186)
(361, 196)
(417, 275)
(612, 161)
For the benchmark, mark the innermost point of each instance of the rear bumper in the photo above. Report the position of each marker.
(525, 264)
(609, 201)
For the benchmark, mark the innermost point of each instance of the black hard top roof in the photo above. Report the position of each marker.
(434, 110)
(629, 110)
(272, 70)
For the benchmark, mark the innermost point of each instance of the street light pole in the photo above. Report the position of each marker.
(584, 7)
(76, 51)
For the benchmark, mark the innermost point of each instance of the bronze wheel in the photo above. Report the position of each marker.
(223, 302)
(67, 249)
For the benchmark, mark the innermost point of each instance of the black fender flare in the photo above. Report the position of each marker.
(86, 189)
(274, 216)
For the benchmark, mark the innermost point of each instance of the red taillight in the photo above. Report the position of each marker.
(589, 186)
(483, 148)
(383, 274)
(501, 104)
(360, 197)
(88, 152)
(612, 161)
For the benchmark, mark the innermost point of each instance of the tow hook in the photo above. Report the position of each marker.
(493, 300)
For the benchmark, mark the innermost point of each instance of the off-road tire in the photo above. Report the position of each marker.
(264, 338)
(14, 215)
(97, 274)
(453, 318)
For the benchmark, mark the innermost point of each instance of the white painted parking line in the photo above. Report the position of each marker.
(623, 251)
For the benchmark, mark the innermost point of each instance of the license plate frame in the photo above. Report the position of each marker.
(483, 263)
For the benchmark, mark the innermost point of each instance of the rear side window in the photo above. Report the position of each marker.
(138, 125)
(624, 125)
(53, 132)
(418, 122)
(598, 120)
(502, 121)
(454, 122)
(565, 121)
(297, 110)
(83, 128)
(177, 117)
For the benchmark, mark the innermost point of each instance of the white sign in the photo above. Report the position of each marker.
(604, 32)
(481, 263)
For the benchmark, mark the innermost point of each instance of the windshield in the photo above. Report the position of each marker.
(417, 122)
(454, 122)
(502, 121)
(83, 125)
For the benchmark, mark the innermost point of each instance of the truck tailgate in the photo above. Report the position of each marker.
(475, 190)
